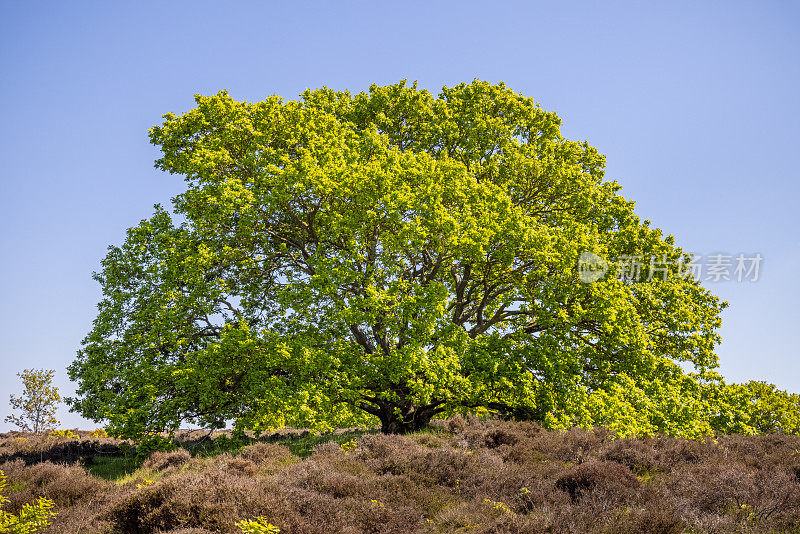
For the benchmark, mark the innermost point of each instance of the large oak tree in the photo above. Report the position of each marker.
(392, 255)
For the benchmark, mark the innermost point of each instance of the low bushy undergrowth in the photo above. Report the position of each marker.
(464, 475)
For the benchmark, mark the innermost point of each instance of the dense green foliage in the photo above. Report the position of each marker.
(396, 255)
(38, 403)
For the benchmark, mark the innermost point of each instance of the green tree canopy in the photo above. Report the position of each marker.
(394, 255)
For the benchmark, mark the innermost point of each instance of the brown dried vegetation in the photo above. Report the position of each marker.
(462, 476)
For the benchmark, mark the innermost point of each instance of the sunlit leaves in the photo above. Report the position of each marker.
(393, 254)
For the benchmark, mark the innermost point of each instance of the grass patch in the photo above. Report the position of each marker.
(139, 475)
(303, 445)
(644, 475)
(112, 468)
(15, 486)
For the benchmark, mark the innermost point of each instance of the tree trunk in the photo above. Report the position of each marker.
(409, 419)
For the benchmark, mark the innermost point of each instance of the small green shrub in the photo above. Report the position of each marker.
(66, 433)
(31, 518)
(257, 526)
(153, 443)
(349, 446)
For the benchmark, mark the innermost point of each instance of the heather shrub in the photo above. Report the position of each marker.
(573, 445)
(401, 455)
(615, 481)
(332, 458)
(186, 531)
(329, 478)
(79, 500)
(160, 460)
(33, 448)
(458, 423)
(764, 498)
(267, 454)
(317, 512)
(492, 432)
(538, 494)
(660, 519)
(662, 453)
(526, 441)
(484, 516)
(639, 455)
(676, 451)
(430, 441)
(65, 485)
(325, 477)
(208, 495)
(192, 500)
(237, 464)
(384, 453)
(442, 466)
(329, 448)
(762, 452)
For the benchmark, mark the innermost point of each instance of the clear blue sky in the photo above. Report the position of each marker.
(694, 105)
